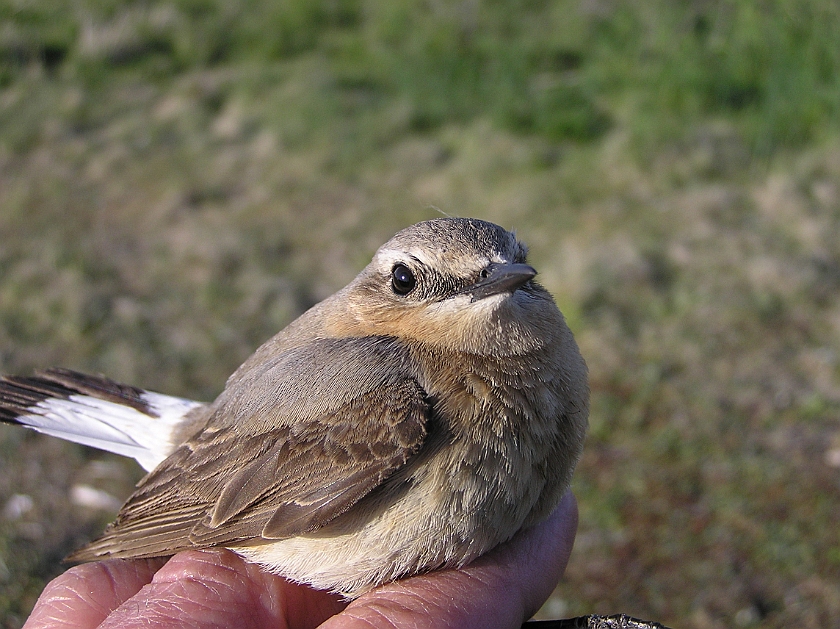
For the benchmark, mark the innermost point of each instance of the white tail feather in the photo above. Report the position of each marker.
(111, 426)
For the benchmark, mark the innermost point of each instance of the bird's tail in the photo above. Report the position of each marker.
(96, 411)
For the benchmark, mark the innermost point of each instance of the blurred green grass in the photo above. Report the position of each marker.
(179, 179)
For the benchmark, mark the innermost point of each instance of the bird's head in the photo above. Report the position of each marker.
(461, 284)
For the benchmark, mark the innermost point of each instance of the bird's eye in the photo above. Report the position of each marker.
(402, 279)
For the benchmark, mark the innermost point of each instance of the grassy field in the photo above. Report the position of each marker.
(179, 179)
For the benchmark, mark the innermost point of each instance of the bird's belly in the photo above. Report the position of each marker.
(447, 518)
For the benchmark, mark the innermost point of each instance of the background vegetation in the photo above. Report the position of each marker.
(180, 178)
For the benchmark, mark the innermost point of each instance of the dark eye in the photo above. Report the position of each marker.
(402, 279)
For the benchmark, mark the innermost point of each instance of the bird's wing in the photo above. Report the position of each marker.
(288, 450)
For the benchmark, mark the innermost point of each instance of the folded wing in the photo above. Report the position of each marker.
(286, 450)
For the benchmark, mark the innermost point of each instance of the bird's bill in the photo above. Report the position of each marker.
(500, 278)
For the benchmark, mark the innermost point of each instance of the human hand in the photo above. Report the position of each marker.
(216, 588)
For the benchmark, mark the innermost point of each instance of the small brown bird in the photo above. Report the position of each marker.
(414, 420)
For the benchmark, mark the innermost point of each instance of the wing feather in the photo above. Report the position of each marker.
(287, 468)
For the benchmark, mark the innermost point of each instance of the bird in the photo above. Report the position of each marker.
(412, 421)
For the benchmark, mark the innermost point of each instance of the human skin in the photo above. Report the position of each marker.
(211, 589)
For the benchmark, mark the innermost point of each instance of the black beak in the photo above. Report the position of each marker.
(499, 278)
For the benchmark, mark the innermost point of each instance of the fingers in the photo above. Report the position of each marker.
(217, 588)
(501, 589)
(198, 589)
(84, 596)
